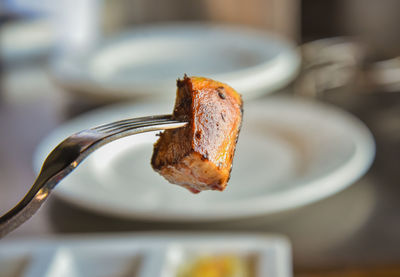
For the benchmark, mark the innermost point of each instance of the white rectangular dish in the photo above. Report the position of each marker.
(147, 255)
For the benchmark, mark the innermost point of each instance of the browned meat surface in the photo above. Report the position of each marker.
(199, 156)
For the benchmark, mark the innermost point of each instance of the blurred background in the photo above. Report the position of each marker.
(298, 58)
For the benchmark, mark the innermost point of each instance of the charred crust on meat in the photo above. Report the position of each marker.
(180, 83)
(223, 117)
(154, 159)
(215, 187)
(241, 110)
(198, 134)
(221, 92)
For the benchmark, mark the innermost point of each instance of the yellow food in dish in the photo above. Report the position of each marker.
(216, 266)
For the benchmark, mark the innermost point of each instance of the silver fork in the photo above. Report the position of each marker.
(69, 154)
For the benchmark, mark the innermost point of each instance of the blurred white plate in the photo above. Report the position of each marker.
(26, 39)
(290, 153)
(141, 255)
(147, 60)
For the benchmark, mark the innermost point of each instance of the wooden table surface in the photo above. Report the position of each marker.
(354, 233)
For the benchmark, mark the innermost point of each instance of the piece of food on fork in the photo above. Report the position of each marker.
(199, 156)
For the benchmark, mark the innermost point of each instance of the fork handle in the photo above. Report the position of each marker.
(53, 171)
(15, 218)
(31, 202)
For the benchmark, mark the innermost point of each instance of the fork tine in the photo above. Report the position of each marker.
(142, 124)
(110, 128)
(131, 120)
(148, 127)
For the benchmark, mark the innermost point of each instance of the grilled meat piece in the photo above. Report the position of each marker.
(199, 155)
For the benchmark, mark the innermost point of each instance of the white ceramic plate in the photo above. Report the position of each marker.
(26, 39)
(290, 153)
(253, 62)
(140, 255)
